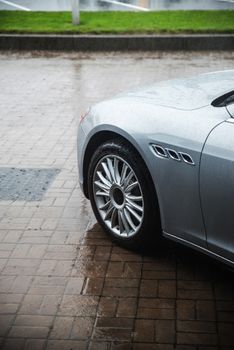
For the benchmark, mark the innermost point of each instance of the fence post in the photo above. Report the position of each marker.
(75, 12)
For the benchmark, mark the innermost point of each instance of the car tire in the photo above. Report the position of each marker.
(122, 194)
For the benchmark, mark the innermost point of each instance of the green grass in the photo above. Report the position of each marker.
(118, 22)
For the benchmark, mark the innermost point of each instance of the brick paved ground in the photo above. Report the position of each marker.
(63, 284)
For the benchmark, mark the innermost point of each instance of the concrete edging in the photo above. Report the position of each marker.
(61, 42)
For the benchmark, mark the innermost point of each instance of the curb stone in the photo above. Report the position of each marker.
(61, 42)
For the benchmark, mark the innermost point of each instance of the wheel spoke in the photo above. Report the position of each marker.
(105, 205)
(109, 211)
(102, 186)
(125, 223)
(105, 168)
(123, 173)
(111, 169)
(131, 186)
(134, 198)
(128, 217)
(128, 179)
(132, 211)
(103, 194)
(116, 170)
(121, 228)
(103, 179)
(114, 217)
(133, 205)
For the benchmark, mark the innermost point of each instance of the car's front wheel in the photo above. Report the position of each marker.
(121, 193)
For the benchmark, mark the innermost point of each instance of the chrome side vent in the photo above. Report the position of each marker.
(169, 153)
(173, 154)
(160, 151)
(187, 158)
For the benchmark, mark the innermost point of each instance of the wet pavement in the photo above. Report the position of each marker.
(116, 5)
(63, 283)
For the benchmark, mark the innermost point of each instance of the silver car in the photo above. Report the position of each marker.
(159, 160)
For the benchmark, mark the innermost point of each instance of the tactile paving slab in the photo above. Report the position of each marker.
(25, 184)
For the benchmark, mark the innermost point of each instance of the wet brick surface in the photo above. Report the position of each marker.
(63, 284)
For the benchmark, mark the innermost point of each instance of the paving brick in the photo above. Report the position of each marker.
(205, 310)
(120, 292)
(186, 310)
(102, 253)
(6, 283)
(115, 322)
(8, 308)
(194, 338)
(12, 236)
(28, 332)
(35, 344)
(148, 288)
(66, 345)
(225, 316)
(167, 289)
(95, 345)
(107, 306)
(21, 284)
(112, 334)
(165, 331)
(2, 264)
(120, 254)
(5, 323)
(156, 303)
(226, 333)
(124, 270)
(93, 286)
(36, 251)
(166, 314)
(21, 267)
(13, 344)
(189, 347)
(46, 267)
(224, 291)
(3, 233)
(50, 304)
(89, 269)
(145, 346)
(48, 286)
(127, 307)
(75, 305)
(158, 275)
(82, 328)
(74, 285)
(33, 320)
(62, 328)
(21, 251)
(196, 326)
(144, 331)
(10, 298)
(195, 290)
(31, 304)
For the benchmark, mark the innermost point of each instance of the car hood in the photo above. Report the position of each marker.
(185, 94)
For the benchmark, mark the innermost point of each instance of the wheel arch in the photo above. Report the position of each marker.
(95, 141)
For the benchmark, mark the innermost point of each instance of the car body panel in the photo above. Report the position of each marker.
(143, 118)
(217, 189)
(186, 94)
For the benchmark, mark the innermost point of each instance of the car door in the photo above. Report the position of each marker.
(217, 189)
